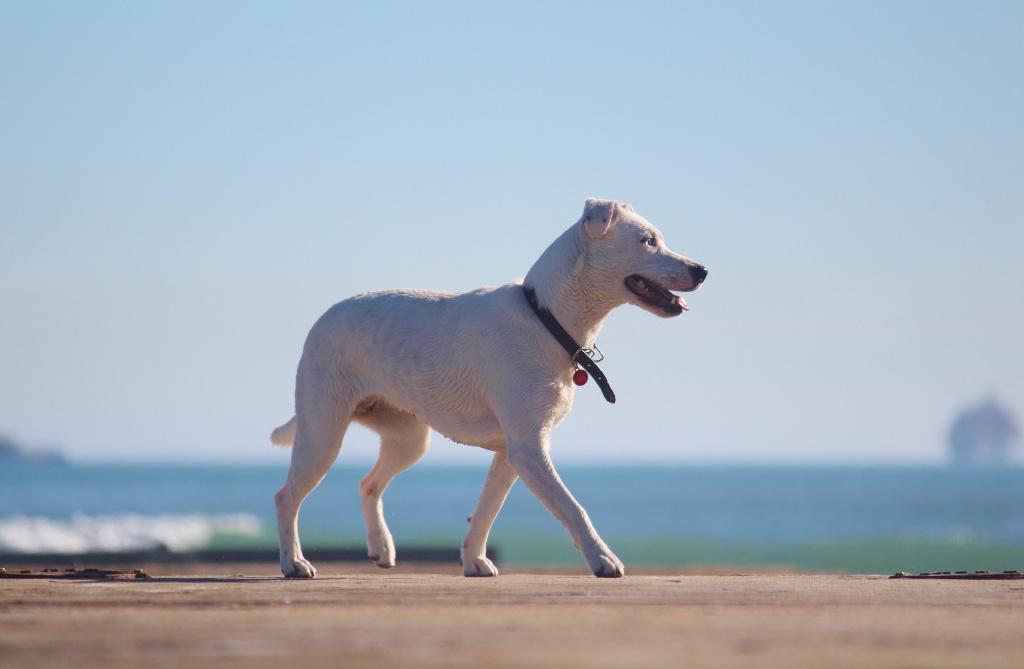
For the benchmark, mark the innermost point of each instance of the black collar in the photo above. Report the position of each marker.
(577, 353)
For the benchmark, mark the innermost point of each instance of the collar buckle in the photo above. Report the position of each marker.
(594, 353)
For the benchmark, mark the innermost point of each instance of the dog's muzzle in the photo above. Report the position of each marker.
(698, 273)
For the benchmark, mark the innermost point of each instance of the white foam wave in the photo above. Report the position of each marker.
(119, 532)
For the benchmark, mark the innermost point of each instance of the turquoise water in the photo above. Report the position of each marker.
(859, 519)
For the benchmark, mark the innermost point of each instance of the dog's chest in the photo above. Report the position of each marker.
(475, 425)
(474, 421)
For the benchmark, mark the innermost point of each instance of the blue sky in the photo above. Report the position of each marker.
(184, 188)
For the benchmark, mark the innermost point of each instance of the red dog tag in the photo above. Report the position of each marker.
(580, 377)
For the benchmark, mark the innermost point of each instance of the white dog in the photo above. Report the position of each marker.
(486, 368)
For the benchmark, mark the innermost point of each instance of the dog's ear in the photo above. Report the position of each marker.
(628, 207)
(599, 216)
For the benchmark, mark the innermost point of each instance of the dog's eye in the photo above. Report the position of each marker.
(650, 241)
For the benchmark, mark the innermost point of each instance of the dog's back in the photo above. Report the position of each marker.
(432, 354)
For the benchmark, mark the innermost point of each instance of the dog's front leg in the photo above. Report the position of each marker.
(500, 479)
(533, 464)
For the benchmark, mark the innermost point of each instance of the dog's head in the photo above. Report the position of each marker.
(627, 253)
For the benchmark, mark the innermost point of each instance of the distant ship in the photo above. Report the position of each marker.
(985, 434)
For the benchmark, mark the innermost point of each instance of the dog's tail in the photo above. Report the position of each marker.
(284, 435)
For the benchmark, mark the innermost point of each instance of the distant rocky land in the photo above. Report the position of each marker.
(12, 451)
(984, 434)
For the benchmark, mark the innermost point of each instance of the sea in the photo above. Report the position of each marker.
(850, 519)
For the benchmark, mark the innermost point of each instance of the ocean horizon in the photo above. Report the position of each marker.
(858, 519)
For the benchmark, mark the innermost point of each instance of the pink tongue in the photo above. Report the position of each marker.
(683, 303)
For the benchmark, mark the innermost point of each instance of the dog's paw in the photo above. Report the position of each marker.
(298, 568)
(383, 554)
(381, 549)
(604, 564)
(478, 566)
(610, 567)
(386, 561)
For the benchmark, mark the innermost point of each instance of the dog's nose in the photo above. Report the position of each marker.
(698, 273)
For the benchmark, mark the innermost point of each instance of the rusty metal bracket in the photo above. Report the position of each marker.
(965, 575)
(76, 574)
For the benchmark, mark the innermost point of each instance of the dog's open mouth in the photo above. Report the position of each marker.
(655, 295)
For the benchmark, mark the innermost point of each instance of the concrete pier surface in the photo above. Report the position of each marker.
(200, 616)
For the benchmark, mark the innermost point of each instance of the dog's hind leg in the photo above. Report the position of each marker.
(403, 440)
(318, 435)
(500, 479)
